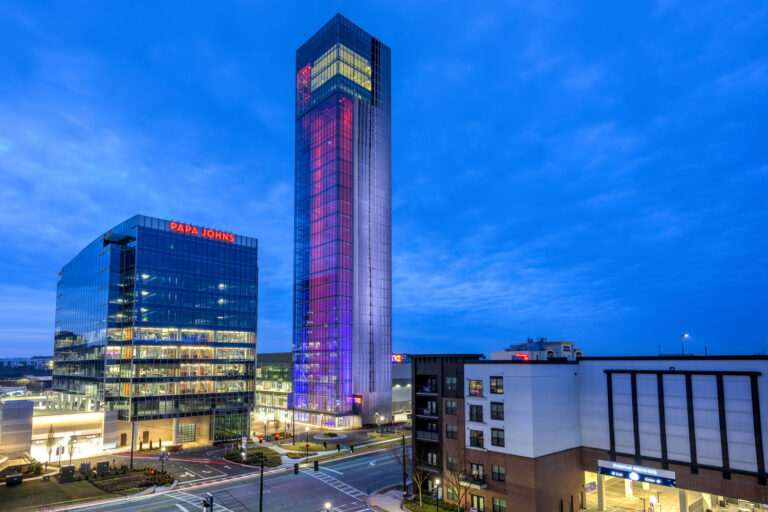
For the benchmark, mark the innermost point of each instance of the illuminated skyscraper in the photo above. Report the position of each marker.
(342, 333)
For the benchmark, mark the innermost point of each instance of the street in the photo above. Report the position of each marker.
(345, 483)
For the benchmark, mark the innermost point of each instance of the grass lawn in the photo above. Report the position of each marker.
(302, 447)
(385, 437)
(35, 493)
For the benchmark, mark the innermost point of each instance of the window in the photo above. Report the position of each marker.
(478, 502)
(476, 388)
(432, 459)
(476, 438)
(451, 493)
(475, 413)
(497, 385)
(477, 471)
(499, 505)
(497, 437)
(451, 431)
(497, 411)
(450, 407)
(451, 463)
(498, 473)
(450, 383)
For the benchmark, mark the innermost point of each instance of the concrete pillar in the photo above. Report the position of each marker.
(628, 488)
(683, 501)
(175, 430)
(601, 492)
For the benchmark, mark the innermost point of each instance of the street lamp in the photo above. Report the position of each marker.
(682, 342)
(306, 439)
(162, 460)
(437, 493)
(327, 505)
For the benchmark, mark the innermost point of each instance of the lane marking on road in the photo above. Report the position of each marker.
(182, 508)
(329, 469)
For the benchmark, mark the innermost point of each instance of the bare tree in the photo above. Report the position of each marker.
(71, 444)
(458, 476)
(50, 442)
(409, 462)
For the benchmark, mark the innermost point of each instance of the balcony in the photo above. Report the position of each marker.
(425, 413)
(428, 436)
(426, 390)
(474, 481)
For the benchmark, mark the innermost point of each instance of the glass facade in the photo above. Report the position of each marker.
(157, 319)
(273, 391)
(342, 269)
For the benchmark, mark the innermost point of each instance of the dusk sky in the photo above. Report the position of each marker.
(586, 171)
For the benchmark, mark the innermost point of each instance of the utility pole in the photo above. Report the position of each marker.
(261, 486)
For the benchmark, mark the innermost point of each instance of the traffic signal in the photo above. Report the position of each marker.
(338, 447)
(352, 448)
(261, 439)
(277, 437)
(295, 469)
(325, 447)
(317, 465)
(152, 472)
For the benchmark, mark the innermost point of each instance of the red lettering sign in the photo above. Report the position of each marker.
(212, 234)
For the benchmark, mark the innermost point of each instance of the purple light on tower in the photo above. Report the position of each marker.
(342, 268)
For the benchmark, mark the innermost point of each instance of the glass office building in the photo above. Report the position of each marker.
(343, 253)
(273, 392)
(156, 319)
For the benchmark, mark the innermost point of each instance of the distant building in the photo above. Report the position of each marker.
(156, 320)
(539, 350)
(273, 392)
(15, 427)
(542, 435)
(401, 388)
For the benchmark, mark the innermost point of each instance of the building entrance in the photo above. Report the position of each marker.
(186, 433)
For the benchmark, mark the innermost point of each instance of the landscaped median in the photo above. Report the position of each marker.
(301, 450)
(34, 494)
(255, 456)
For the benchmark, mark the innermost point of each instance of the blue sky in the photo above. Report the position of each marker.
(590, 171)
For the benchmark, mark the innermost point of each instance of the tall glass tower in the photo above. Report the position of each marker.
(342, 331)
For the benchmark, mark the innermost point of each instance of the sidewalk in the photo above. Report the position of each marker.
(389, 501)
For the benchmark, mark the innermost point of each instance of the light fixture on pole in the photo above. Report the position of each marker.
(682, 342)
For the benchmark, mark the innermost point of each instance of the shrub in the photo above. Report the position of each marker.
(330, 434)
(255, 454)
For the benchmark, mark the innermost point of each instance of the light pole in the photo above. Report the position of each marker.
(327, 505)
(437, 493)
(162, 460)
(682, 342)
(306, 440)
(405, 473)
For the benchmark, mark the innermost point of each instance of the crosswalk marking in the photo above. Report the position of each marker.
(336, 484)
(194, 500)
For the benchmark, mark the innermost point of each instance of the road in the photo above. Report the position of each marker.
(345, 483)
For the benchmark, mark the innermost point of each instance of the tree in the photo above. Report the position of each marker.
(457, 475)
(50, 442)
(71, 444)
(410, 461)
